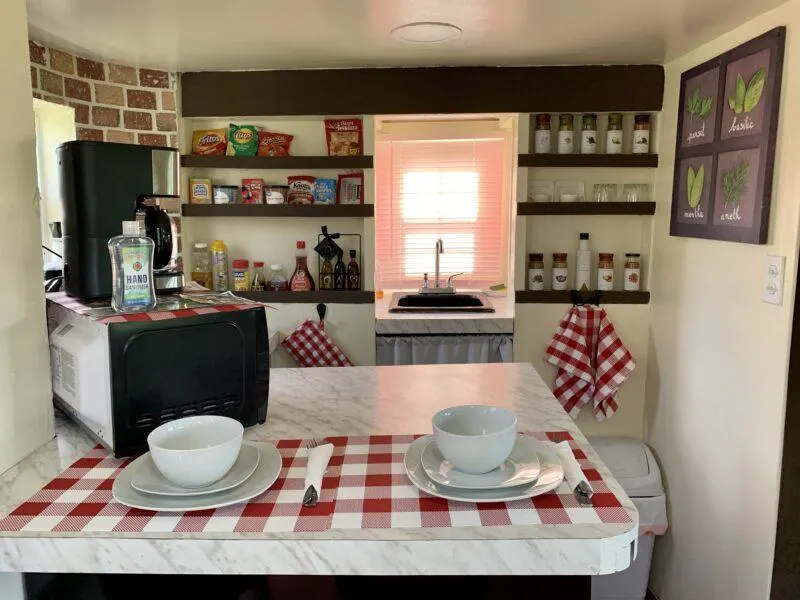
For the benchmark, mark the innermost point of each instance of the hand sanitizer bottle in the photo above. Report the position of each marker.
(132, 269)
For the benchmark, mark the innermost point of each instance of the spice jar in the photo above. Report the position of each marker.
(241, 275)
(641, 134)
(535, 271)
(633, 272)
(201, 265)
(541, 135)
(605, 272)
(259, 283)
(566, 134)
(560, 271)
(614, 134)
(589, 134)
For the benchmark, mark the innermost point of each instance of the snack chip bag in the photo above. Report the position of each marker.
(209, 142)
(273, 144)
(242, 140)
(324, 191)
(301, 189)
(344, 137)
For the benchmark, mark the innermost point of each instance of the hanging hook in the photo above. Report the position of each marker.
(321, 310)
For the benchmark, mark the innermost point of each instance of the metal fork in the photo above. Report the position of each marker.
(311, 497)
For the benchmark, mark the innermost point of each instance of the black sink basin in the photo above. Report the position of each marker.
(440, 303)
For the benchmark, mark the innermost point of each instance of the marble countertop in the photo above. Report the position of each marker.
(500, 321)
(308, 403)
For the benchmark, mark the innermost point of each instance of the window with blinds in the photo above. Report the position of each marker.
(449, 189)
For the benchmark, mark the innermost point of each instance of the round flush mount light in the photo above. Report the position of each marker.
(426, 32)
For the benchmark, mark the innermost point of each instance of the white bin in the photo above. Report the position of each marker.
(635, 467)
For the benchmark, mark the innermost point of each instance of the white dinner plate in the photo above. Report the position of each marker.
(269, 467)
(551, 475)
(148, 479)
(520, 468)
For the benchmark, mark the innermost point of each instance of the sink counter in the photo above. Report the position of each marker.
(307, 403)
(466, 323)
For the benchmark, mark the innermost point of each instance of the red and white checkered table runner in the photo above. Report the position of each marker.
(365, 487)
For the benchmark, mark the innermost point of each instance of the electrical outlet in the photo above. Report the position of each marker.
(773, 279)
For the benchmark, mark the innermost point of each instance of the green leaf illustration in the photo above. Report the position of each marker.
(754, 90)
(696, 186)
(732, 103)
(741, 89)
(705, 107)
(734, 183)
(690, 175)
(697, 106)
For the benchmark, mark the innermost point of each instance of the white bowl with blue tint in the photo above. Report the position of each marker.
(475, 439)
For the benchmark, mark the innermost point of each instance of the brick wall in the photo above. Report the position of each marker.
(112, 102)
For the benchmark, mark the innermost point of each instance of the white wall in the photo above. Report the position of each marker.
(25, 405)
(717, 371)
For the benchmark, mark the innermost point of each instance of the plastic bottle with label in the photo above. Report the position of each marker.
(301, 280)
(219, 266)
(132, 269)
(583, 264)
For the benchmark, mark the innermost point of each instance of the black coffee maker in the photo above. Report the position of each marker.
(102, 185)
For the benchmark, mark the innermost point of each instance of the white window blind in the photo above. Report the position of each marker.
(451, 189)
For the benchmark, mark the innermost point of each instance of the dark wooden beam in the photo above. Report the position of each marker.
(423, 90)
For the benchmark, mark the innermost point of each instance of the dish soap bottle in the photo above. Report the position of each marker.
(132, 269)
(583, 264)
(301, 280)
(353, 273)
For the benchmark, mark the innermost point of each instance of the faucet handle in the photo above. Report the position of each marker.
(450, 279)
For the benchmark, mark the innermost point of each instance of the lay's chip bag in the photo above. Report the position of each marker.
(242, 140)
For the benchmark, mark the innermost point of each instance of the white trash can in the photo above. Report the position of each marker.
(634, 466)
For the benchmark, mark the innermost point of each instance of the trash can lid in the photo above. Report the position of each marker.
(632, 463)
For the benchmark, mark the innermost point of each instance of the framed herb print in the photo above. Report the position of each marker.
(725, 147)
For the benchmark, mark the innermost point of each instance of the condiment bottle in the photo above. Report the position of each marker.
(339, 273)
(541, 135)
(560, 271)
(326, 274)
(132, 269)
(277, 280)
(259, 283)
(641, 134)
(605, 272)
(566, 133)
(301, 280)
(633, 272)
(241, 275)
(583, 264)
(535, 272)
(219, 266)
(201, 265)
(589, 134)
(614, 134)
(353, 273)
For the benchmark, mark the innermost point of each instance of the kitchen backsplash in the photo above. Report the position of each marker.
(112, 102)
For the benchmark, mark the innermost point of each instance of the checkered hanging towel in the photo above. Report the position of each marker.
(592, 362)
(310, 346)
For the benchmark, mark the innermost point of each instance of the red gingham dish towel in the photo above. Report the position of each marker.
(310, 346)
(592, 362)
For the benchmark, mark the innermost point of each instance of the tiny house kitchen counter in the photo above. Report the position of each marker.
(308, 403)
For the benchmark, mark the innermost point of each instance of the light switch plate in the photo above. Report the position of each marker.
(773, 279)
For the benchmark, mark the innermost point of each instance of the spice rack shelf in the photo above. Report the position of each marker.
(565, 297)
(325, 296)
(322, 211)
(645, 161)
(277, 162)
(586, 208)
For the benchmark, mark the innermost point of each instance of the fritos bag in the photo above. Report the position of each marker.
(209, 142)
(273, 144)
(344, 137)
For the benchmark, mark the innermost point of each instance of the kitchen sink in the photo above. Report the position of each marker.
(434, 303)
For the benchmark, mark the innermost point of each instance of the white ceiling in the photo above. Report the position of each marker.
(188, 35)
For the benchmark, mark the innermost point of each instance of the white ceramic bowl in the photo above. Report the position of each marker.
(196, 451)
(475, 439)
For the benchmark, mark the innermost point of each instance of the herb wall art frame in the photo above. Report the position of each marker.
(725, 147)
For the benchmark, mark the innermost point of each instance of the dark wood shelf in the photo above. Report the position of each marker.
(277, 162)
(324, 296)
(646, 161)
(586, 208)
(553, 297)
(321, 211)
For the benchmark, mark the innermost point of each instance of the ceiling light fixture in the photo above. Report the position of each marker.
(426, 32)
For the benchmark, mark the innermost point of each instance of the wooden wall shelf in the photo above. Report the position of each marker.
(320, 211)
(586, 208)
(645, 161)
(552, 297)
(277, 162)
(324, 296)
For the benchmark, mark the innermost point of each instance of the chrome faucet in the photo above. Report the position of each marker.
(437, 251)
